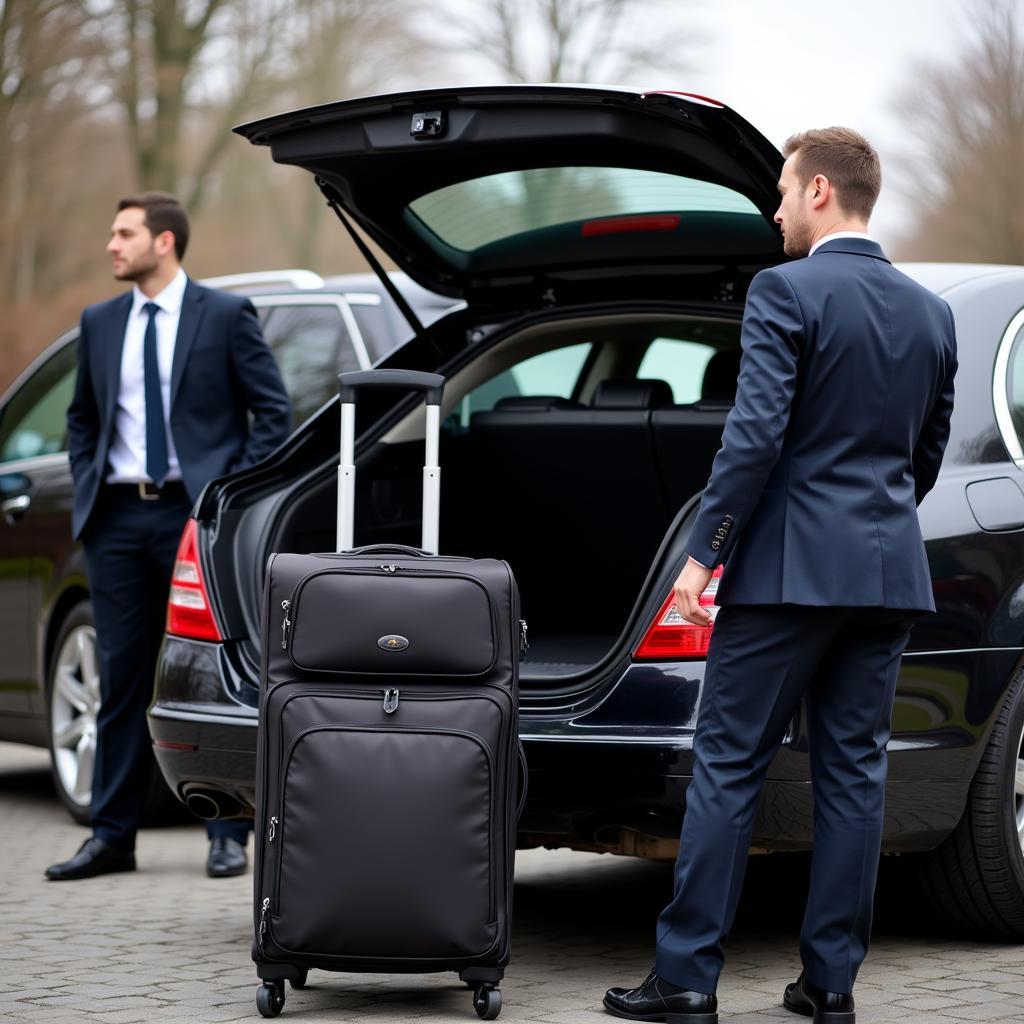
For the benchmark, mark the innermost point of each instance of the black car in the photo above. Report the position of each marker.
(49, 684)
(603, 242)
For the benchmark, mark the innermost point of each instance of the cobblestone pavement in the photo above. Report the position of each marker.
(167, 944)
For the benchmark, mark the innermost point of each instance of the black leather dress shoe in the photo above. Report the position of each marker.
(227, 857)
(657, 1000)
(825, 1007)
(94, 857)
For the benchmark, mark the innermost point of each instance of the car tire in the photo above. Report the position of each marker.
(975, 879)
(72, 704)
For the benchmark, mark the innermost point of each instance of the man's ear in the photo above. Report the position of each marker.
(820, 188)
(164, 243)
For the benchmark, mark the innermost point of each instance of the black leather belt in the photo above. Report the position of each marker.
(147, 491)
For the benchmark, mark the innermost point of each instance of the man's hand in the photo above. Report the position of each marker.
(692, 582)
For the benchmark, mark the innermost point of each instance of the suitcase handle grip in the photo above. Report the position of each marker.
(410, 380)
(389, 549)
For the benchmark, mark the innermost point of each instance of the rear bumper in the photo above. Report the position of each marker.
(607, 774)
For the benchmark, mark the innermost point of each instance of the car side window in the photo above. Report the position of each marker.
(550, 373)
(681, 363)
(34, 421)
(1015, 385)
(312, 346)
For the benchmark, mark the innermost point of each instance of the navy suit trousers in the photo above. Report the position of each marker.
(130, 545)
(129, 548)
(763, 660)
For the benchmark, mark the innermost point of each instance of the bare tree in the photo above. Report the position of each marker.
(963, 172)
(336, 49)
(572, 40)
(168, 60)
(43, 62)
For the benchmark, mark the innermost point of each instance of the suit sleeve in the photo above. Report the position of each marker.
(262, 388)
(931, 442)
(83, 416)
(771, 339)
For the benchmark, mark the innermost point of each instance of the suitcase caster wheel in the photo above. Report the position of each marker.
(270, 999)
(300, 981)
(487, 1003)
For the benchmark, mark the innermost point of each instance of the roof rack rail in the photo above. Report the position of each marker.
(296, 278)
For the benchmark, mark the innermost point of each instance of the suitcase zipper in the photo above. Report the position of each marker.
(390, 702)
(272, 831)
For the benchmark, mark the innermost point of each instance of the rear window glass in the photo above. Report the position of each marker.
(474, 213)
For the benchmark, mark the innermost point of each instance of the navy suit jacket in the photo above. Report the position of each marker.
(840, 423)
(222, 370)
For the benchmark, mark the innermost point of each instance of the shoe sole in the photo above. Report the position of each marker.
(664, 1018)
(821, 1016)
(90, 874)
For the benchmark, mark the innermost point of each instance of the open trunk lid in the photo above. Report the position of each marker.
(527, 196)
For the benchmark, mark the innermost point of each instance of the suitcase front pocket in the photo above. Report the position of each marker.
(391, 621)
(385, 843)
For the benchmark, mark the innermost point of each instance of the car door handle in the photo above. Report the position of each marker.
(14, 508)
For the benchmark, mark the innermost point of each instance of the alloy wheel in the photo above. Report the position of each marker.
(74, 705)
(1018, 791)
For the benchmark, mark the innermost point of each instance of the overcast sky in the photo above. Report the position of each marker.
(787, 65)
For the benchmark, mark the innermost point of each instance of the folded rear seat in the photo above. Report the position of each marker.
(687, 437)
(574, 501)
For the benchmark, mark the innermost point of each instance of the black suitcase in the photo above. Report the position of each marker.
(387, 752)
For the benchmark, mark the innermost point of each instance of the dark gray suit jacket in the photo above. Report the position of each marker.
(222, 370)
(840, 423)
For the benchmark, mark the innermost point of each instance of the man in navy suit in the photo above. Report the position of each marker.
(168, 376)
(841, 418)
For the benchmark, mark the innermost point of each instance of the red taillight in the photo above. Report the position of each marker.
(670, 637)
(188, 608)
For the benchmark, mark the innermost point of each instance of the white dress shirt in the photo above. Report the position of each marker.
(127, 457)
(839, 234)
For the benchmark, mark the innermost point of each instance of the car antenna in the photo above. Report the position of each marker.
(399, 299)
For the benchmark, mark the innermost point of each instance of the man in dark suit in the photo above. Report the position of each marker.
(841, 418)
(168, 375)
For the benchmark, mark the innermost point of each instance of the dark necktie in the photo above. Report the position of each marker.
(156, 437)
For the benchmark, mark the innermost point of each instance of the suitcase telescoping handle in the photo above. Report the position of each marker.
(410, 380)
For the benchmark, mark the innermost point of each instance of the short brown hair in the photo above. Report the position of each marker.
(163, 213)
(846, 158)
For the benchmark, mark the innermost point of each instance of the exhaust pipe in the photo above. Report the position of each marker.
(210, 805)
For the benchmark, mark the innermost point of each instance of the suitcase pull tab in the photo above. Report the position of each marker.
(263, 921)
(390, 702)
(286, 624)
